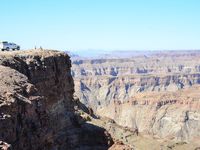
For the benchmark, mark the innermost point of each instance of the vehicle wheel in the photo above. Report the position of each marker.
(18, 48)
(7, 48)
(2, 49)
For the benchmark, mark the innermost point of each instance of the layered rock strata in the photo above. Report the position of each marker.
(156, 95)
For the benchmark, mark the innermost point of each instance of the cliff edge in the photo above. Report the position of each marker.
(37, 109)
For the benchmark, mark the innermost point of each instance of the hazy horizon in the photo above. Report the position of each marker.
(96, 54)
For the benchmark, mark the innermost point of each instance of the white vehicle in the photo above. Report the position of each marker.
(8, 46)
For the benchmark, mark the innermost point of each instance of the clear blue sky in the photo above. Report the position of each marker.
(102, 24)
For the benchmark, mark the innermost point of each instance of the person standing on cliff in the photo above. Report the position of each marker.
(41, 48)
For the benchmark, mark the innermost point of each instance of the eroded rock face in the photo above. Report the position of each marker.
(156, 94)
(23, 117)
(37, 106)
(101, 81)
(100, 91)
(172, 115)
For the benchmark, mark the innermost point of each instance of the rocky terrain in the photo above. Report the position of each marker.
(155, 94)
(114, 107)
(37, 108)
(100, 81)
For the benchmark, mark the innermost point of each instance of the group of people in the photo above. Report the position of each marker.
(39, 48)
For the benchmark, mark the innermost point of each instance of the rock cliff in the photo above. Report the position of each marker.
(37, 108)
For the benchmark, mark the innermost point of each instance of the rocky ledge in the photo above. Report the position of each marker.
(37, 108)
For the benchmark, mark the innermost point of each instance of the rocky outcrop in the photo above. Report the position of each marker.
(37, 109)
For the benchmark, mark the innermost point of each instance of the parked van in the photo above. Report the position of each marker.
(8, 46)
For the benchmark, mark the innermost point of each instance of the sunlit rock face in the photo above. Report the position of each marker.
(157, 93)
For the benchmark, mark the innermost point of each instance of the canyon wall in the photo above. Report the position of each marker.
(155, 94)
(137, 103)
(101, 81)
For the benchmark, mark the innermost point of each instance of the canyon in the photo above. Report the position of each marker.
(49, 101)
(154, 93)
